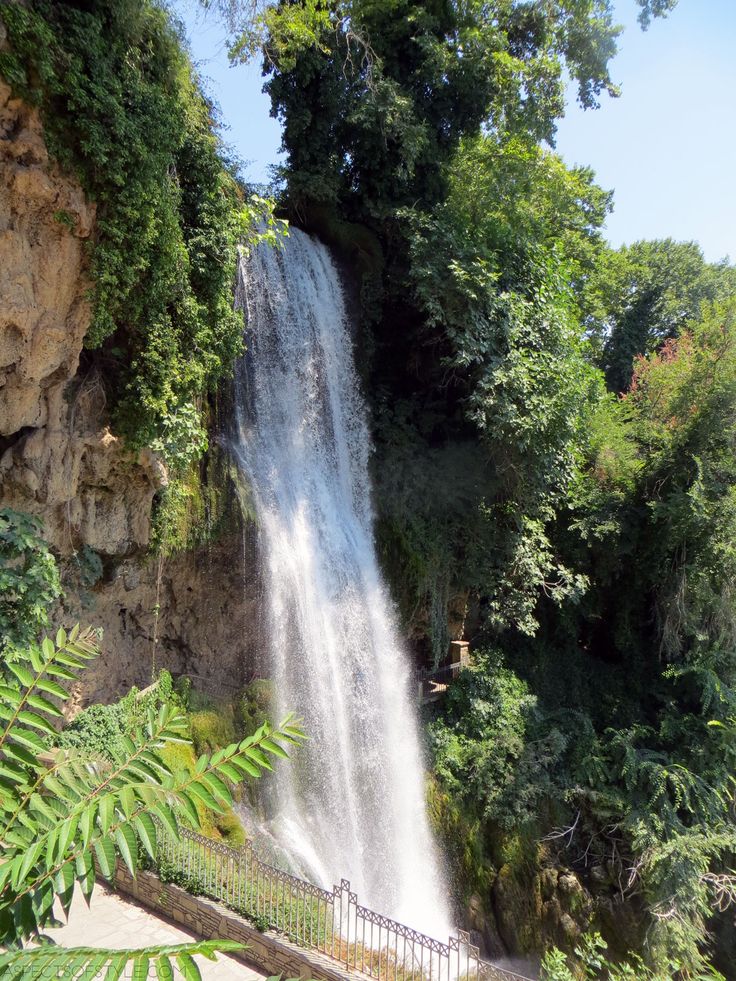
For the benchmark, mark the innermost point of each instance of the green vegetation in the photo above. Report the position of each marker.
(62, 815)
(29, 581)
(555, 449)
(101, 731)
(123, 109)
(641, 295)
(591, 960)
(555, 425)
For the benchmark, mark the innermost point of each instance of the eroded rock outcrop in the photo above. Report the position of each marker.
(59, 461)
(196, 612)
(44, 224)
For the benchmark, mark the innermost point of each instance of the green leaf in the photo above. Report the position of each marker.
(62, 791)
(43, 900)
(44, 705)
(42, 806)
(147, 833)
(105, 852)
(255, 754)
(20, 754)
(126, 841)
(85, 870)
(64, 885)
(116, 967)
(166, 816)
(24, 676)
(106, 812)
(230, 771)
(188, 967)
(29, 860)
(51, 688)
(164, 971)
(67, 832)
(141, 769)
(13, 771)
(200, 791)
(140, 968)
(273, 747)
(57, 671)
(28, 738)
(217, 787)
(127, 800)
(36, 659)
(87, 823)
(12, 695)
(245, 764)
(189, 808)
(37, 722)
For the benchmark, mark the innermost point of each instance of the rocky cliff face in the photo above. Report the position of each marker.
(61, 462)
(194, 613)
(56, 459)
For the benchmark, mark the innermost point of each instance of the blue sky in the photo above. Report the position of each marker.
(667, 147)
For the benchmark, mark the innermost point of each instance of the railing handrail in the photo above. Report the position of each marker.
(343, 904)
(425, 674)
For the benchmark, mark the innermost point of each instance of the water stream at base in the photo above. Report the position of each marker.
(351, 803)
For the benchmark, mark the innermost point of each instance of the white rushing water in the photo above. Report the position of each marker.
(351, 804)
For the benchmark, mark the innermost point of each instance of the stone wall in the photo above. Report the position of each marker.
(269, 952)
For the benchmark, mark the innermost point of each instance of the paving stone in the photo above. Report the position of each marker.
(115, 922)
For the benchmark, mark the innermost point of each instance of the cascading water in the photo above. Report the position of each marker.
(351, 804)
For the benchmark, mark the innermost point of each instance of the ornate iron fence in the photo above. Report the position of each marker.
(331, 922)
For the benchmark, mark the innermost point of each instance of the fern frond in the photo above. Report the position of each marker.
(76, 963)
(57, 816)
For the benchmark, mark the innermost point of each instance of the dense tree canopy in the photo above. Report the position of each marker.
(555, 424)
(591, 530)
(374, 110)
(640, 295)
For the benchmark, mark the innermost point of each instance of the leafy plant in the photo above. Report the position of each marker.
(29, 580)
(57, 818)
(590, 959)
(87, 962)
(123, 110)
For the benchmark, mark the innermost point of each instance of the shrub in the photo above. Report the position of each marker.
(256, 705)
(211, 730)
(29, 579)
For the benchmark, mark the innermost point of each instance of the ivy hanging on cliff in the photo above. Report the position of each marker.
(123, 109)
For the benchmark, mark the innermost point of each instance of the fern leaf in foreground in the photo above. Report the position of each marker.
(59, 811)
(77, 963)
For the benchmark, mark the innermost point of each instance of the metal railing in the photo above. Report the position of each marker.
(433, 684)
(331, 922)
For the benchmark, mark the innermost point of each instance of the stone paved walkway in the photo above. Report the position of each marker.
(114, 922)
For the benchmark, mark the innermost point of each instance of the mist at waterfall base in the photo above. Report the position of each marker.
(350, 804)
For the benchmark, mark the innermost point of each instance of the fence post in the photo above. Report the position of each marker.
(345, 891)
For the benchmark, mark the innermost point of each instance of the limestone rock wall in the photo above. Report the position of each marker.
(194, 613)
(60, 460)
(57, 459)
(44, 223)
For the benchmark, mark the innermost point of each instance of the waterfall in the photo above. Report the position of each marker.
(351, 803)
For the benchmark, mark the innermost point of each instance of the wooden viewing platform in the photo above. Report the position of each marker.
(433, 684)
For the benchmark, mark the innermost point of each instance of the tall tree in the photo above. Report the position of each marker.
(638, 296)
